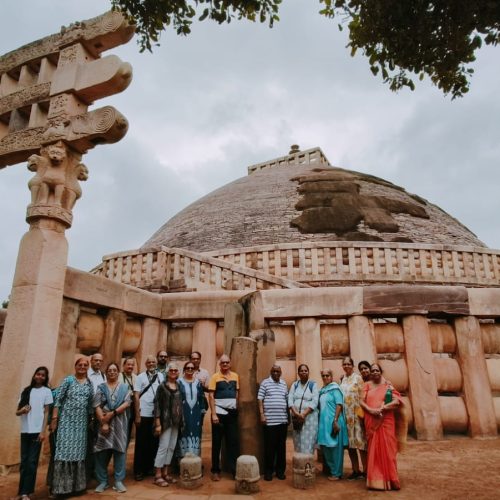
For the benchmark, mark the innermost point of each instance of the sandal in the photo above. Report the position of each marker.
(170, 479)
(159, 481)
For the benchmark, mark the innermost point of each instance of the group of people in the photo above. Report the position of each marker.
(91, 415)
(358, 415)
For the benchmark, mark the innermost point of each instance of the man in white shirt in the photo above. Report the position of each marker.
(146, 444)
(94, 373)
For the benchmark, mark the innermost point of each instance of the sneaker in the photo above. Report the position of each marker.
(119, 487)
(101, 487)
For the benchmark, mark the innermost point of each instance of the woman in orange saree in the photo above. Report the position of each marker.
(379, 402)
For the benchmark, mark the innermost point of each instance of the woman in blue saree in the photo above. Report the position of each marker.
(111, 402)
(332, 432)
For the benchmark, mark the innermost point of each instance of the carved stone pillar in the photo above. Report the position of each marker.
(37, 293)
(421, 378)
(477, 389)
(308, 347)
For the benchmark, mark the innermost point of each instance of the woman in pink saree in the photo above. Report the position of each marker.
(379, 402)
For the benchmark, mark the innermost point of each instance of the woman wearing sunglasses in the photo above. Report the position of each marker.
(193, 409)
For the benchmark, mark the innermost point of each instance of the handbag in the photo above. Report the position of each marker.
(297, 423)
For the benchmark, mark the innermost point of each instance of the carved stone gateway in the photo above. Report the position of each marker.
(46, 88)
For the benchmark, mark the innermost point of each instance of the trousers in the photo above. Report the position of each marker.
(146, 446)
(30, 453)
(275, 449)
(227, 430)
(102, 459)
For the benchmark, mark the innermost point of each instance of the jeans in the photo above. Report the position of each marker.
(226, 429)
(102, 459)
(30, 453)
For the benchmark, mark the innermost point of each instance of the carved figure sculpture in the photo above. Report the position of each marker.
(53, 179)
(73, 189)
(38, 164)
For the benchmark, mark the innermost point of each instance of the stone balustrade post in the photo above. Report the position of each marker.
(421, 378)
(361, 339)
(308, 346)
(477, 390)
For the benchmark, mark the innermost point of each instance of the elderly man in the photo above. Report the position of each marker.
(94, 373)
(223, 398)
(146, 444)
(273, 407)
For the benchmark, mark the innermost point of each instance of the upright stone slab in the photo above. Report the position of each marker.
(234, 324)
(361, 339)
(66, 342)
(114, 329)
(477, 390)
(308, 346)
(266, 351)
(244, 363)
(422, 379)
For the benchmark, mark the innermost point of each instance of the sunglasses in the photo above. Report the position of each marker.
(189, 368)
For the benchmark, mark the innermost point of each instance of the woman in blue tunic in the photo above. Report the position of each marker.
(193, 407)
(332, 433)
(70, 417)
(303, 404)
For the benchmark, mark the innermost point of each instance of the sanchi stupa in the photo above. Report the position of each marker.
(336, 263)
(298, 262)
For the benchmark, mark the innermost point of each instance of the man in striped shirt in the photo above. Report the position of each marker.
(273, 407)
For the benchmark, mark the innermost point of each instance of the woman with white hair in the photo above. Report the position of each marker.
(168, 421)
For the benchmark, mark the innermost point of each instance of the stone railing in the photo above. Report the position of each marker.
(305, 264)
(158, 268)
(333, 263)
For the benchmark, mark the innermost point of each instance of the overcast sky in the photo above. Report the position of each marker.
(204, 107)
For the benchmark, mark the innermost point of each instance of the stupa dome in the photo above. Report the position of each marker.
(301, 197)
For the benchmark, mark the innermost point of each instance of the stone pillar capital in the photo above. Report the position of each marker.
(55, 187)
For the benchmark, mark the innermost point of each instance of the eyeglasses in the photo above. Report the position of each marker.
(224, 362)
(324, 375)
(171, 370)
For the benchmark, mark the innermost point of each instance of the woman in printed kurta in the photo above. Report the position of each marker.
(332, 432)
(193, 408)
(352, 388)
(70, 417)
(380, 399)
(303, 404)
(111, 403)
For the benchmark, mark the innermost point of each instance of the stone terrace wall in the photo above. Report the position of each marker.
(440, 346)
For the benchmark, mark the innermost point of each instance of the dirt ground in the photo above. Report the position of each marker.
(453, 468)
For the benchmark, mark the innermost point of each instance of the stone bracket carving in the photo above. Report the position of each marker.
(34, 212)
(102, 126)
